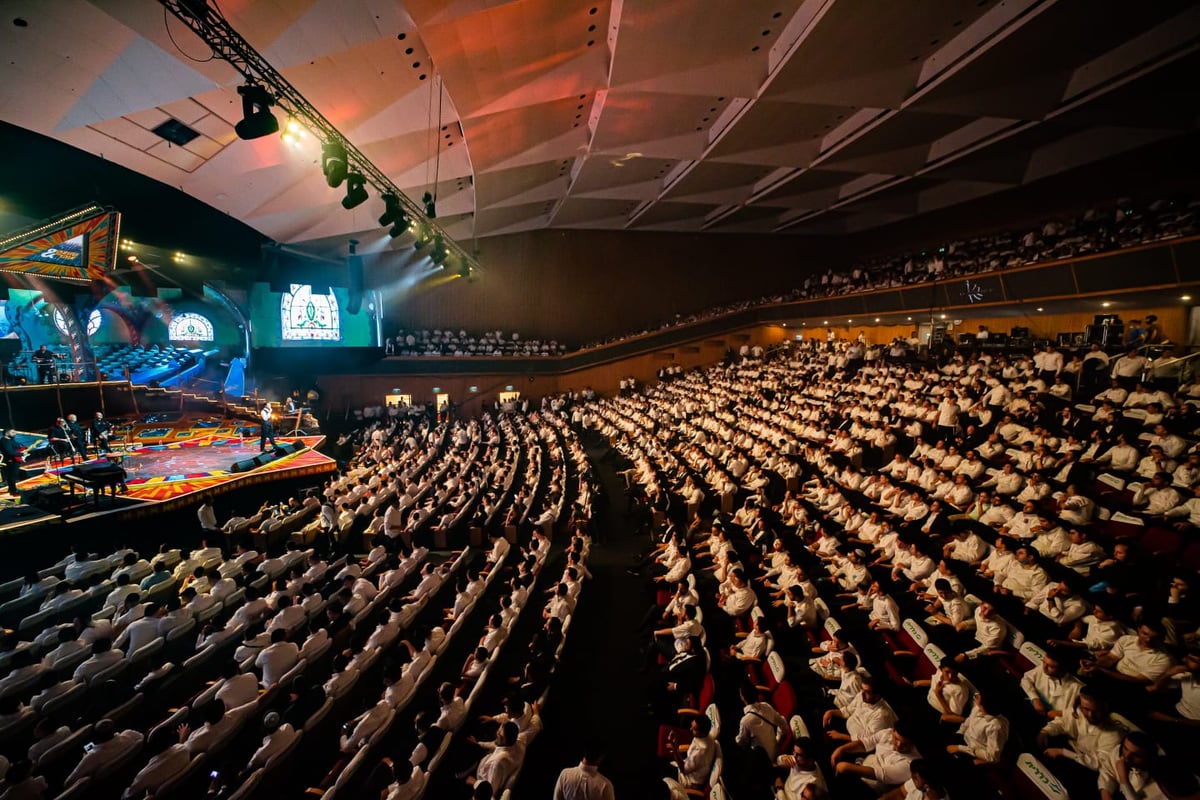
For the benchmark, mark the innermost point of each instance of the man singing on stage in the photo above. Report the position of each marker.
(75, 431)
(60, 440)
(101, 431)
(267, 431)
(12, 453)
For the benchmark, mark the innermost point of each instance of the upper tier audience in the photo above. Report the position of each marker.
(451, 343)
(1124, 224)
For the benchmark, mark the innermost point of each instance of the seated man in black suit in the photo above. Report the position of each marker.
(681, 677)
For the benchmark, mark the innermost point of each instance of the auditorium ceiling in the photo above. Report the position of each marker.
(775, 116)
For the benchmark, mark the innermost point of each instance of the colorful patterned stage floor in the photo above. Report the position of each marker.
(176, 471)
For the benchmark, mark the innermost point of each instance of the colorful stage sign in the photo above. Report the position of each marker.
(78, 246)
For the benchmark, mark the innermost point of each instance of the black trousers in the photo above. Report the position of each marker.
(12, 474)
(266, 434)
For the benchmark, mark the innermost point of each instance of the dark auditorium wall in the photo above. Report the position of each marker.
(354, 391)
(577, 286)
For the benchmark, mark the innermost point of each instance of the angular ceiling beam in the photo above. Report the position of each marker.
(797, 30)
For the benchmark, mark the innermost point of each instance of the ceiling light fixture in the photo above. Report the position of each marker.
(421, 230)
(293, 133)
(393, 214)
(1186, 298)
(439, 252)
(265, 87)
(430, 205)
(356, 192)
(1105, 304)
(257, 119)
(1039, 308)
(333, 163)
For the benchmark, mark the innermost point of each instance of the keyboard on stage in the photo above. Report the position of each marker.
(95, 477)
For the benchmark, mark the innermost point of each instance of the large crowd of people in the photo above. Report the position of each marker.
(346, 634)
(1120, 225)
(877, 575)
(425, 342)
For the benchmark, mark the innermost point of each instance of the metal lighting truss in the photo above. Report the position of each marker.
(207, 22)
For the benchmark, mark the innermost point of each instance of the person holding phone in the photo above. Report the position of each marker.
(108, 747)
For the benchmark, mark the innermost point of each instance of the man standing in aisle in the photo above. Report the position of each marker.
(267, 431)
(584, 782)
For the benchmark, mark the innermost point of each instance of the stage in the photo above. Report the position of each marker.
(163, 477)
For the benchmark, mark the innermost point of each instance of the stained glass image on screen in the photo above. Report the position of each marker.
(190, 327)
(93, 323)
(308, 316)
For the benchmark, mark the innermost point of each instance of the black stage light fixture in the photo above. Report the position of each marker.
(333, 163)
(393, 214)
(430, 205)
(356, 192)
(257, 119)
(439, 252)
(424, 239)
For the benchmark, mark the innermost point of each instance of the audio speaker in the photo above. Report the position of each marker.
(47, 498)
(287, 448)
(244, 465)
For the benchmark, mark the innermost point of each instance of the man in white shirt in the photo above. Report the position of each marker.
(169, 759)
(696, 766)
(1092, 741)
(141, 632)
(890, 753)
(279, 736)
(277, 658)
(499, 765)
(864, 715)
(1135, 658)
(1050, 687)
(991, 633)
(761, 725)
(109, 747)
(1128, 368)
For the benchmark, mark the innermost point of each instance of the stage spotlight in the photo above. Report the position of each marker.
(356, 193)
(430, 205)
(333, 163)
(257, 119)
(439, 253)
(424, 239)
(393, 214)
(293, 133)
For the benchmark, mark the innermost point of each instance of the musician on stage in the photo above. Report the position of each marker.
(101, 433)
(43, 359)
(60, 440)
(78, 441)
(267, 431)
(13, 456)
